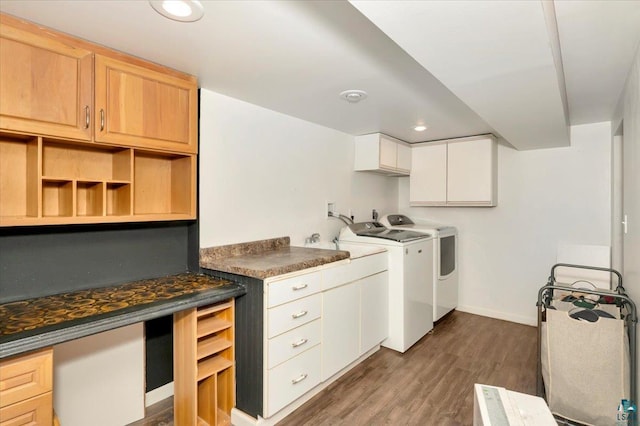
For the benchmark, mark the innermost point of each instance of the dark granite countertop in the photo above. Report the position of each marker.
(266, 258)
(36, 323)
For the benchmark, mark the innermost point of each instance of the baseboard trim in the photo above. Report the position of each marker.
(520, 319)
(158, 394)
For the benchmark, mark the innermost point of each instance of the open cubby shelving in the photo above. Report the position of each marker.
(47, 181)
(204, 383)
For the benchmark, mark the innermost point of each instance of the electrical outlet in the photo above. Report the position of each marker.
(331, 207)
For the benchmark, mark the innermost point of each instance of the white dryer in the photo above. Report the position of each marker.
(410, 279)
(445, 289)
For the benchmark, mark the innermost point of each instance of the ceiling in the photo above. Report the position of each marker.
(461, 67)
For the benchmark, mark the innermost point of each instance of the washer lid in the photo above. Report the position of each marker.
(399, 219)
(377, 230)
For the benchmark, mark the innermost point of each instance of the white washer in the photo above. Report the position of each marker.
(445, 290)
(410, 257)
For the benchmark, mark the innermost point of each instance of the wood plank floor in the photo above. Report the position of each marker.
(430, 384)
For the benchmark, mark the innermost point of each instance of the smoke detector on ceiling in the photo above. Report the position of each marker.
(353, 96)
(179, 10)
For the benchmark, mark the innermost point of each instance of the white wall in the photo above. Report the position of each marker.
(98, 380)
(545, 197)
(629, 113)
(264, 174)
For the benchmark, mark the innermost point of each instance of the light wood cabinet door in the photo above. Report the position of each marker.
(46, 85)
(428, 180)
(34, 411)
(144, 108)
(25, 376)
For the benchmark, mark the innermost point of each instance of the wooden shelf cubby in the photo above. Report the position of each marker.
(45, 181)
(163, 183)
(19, 177)
(204, 365)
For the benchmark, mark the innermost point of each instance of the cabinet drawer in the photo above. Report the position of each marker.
(292, 343)
(357, 269)
(292, 379)
(293, 314)
(33, 411)
(289, 289)
(25, 376)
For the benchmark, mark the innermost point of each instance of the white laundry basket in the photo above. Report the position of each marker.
(585, 367)
(586, 362)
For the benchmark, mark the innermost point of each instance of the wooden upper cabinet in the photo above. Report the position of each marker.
(143, 107)
(91, 135)
(46, 84)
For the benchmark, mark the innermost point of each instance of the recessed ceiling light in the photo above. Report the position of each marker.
(420, 128)
(179, 10)
(353, 96)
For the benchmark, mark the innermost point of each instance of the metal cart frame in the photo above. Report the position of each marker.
(545, 296)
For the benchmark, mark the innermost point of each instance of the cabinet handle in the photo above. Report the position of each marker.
(87, 117)
(299, 287)
(101, 120)
(299, 314)
(299, 379)
(299, 343)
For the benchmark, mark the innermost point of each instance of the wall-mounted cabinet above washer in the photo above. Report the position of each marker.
(382, 154)
(455, 172)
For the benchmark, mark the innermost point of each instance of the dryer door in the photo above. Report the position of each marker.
(447, 256)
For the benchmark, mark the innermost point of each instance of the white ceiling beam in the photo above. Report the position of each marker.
(496, 56)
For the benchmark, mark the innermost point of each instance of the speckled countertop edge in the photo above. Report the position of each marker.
(17, 343)
(266, 258)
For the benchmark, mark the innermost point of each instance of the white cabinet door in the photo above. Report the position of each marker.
(382, 154)
(388, 153)
(340, 328)
(292, 379)
(374, 306)
(418, 289)
(428, 180)
(283, 291)
(293, 314)
(470, 174)
(403, 159)
(292, 343)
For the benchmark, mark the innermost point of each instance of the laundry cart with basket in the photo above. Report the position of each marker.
(587, 349)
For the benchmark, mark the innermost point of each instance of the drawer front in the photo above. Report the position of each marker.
(293, 314)
(357, 269)
(289, 289)
(292, 343)
(33, 411)
(25, 376)
(290, 380)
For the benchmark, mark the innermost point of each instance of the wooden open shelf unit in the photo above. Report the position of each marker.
(204, 366)
(46, 181)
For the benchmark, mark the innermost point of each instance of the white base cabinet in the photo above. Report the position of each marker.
(457, 172)
(292, 379)
(319, 321)
(292, 347)
(340, 328)
(374, 310)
